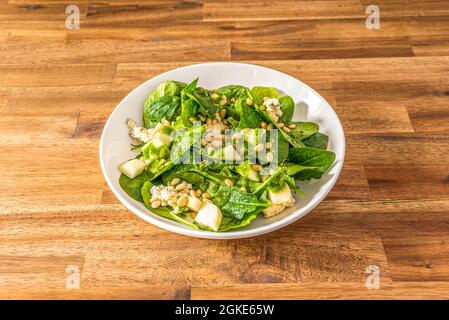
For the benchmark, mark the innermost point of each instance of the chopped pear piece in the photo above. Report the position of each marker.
(194, 204)
(209, 215)
(161, 139)
(283, 196)
(132, 168)
(229, 154)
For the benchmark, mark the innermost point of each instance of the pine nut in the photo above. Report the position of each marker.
(263, 124)
(249, 101)
(281, 125)
(193, 193)
(155, 204)
(270, 126)
(292, 126)
(286, 129)
(198, 193)
(180, 187)
(206, 195)
(257, 167)
(269, 156)
(229, 182)
(182, 202)
(175, 181)
(222, 113)
(268, 145)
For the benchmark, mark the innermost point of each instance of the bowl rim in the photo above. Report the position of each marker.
(276, 225)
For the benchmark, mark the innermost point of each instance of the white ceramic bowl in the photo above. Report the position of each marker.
(310, 106)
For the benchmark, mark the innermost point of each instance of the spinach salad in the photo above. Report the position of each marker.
(216, 159)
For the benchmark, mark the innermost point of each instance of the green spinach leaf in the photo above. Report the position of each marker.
(259, 93)
(311, 157)
(287, 108)
(165, 107)
(132, 187)
(318, 141)
(234, 203)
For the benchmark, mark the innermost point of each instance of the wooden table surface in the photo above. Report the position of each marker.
(390, 207)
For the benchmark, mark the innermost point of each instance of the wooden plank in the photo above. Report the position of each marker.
(351, 184)
(321, 49)
(113, 51)
(64, 170)
(39, 265)
(130, 13)
(57, 126)
(32, 31)
(413, 8)
(402, 149)
(418, 258)
(374, 117)
(408, 182)
(396, 290)
(107, 293)
(282, 10)
(55, 75)
(44, 12)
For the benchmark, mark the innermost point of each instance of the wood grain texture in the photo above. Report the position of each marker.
(390, 206)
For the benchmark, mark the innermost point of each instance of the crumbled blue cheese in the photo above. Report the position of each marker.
(273, 108)
(139, 133)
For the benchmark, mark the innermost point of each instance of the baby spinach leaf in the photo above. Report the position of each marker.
(161, 211)
(163, 107)
(229, 223)
(132, 187)
(200, 96)
(249, 118)
(319, 160)
(232, 91)
(303, 130)
(318, 141)
(189, 108)
(234, 203)
(183, 172)
(261, 92)
(287, 108)
(166, 88)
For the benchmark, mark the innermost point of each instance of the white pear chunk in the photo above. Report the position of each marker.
(229, 154)
(194, 204)
(283, 196)
(161, 139)
(132, 168)
(209, 215)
